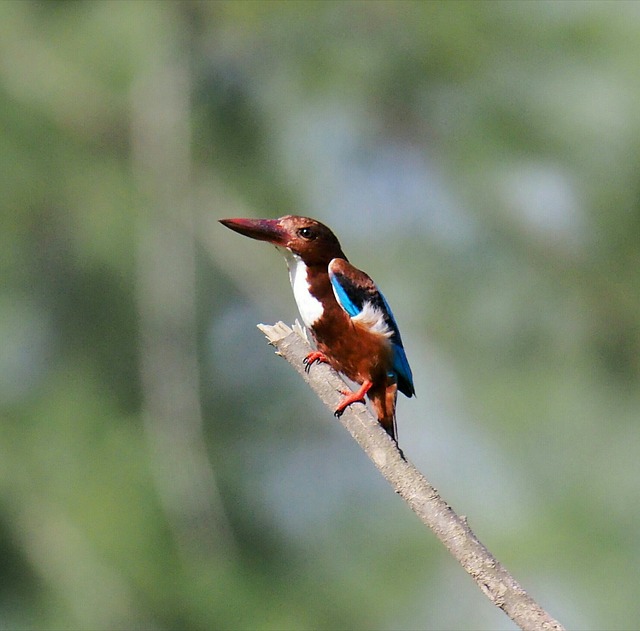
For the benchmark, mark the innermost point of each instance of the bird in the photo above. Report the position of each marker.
(350, 321)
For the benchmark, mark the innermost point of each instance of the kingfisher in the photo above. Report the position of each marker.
(350, 320)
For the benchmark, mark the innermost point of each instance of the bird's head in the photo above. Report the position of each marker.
(307, 238)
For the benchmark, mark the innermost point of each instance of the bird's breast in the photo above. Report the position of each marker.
(310, 308)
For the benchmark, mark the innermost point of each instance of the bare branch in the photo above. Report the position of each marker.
(452, 530)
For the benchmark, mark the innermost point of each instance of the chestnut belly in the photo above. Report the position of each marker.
(356, 352)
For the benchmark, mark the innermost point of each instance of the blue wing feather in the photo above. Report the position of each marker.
(352, 296)
(400, 361)
(342, 295)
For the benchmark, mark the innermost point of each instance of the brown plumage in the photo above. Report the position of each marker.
(348, 317)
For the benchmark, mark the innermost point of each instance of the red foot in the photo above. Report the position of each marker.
(316, 356)
(352, 397)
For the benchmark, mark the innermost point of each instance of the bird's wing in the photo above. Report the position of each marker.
(358, 295)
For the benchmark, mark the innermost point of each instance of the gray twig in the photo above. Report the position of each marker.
(452, 530)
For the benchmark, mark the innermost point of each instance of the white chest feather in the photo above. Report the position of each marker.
(310, 308)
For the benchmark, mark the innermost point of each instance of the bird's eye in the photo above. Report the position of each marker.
(307, 233)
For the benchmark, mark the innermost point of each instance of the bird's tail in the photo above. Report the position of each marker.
(384, 403)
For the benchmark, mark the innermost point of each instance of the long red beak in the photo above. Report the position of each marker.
(268, 230)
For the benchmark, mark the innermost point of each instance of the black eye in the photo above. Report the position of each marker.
(307, 233)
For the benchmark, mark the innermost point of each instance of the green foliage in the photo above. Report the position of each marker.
(480, 160)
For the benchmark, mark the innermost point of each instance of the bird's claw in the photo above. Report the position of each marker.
(350, 399)
(311, 358)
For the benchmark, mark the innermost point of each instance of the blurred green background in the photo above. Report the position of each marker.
(160, 468)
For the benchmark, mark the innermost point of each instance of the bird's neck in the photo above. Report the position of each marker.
(311, 289)
(309, 305)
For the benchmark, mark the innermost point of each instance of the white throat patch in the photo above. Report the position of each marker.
(310, 308)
